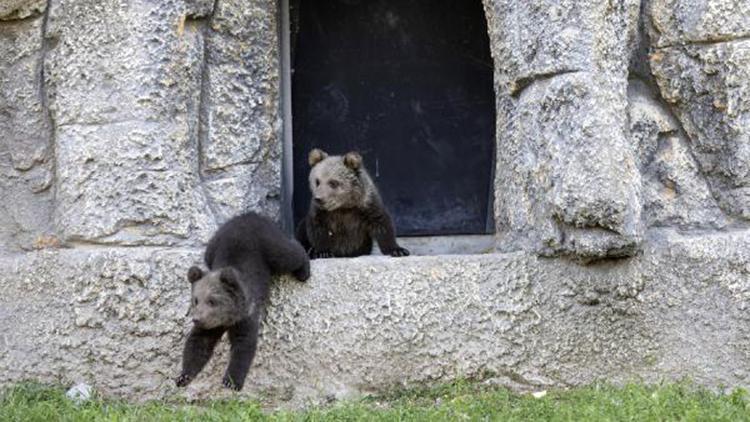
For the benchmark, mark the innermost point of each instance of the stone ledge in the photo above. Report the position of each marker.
(115, 318)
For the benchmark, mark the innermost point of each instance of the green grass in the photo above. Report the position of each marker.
(453, 402)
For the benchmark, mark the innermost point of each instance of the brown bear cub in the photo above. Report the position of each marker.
(241, 258)
(346, 212)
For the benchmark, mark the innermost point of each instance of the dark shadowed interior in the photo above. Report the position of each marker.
(408, 84)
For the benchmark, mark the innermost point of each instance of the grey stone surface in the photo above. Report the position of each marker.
(543, 38)
(708, 86)
(178, 128)
(240, 145)
(114, 318)
(674, 191)
(127, 155)
(566, 179)
(21, 9)
(26, 168)
(690, 21)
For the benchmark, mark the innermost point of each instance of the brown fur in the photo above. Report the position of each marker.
(346, 212)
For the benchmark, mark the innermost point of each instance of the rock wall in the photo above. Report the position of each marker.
(26, 148)
(616, 117)
(136, 122)
(146, 123)
(131, 128)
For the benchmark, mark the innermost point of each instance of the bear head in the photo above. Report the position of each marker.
(217, 298)
(337, 181)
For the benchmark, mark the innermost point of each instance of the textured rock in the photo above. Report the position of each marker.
(25, 142)
(674, 191)
(544, 38)
(691, 21)
(115, 319)
(708, 87)
(253, 186)
(241, 148)
(701, 62)
(553, 197)
(566, 179)
(127, 154)
(21, 9)
(183, 99)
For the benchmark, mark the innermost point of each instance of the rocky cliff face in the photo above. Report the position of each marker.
(130, 128)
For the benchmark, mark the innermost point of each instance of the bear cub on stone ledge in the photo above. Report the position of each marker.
(231, 297)
(346, 211)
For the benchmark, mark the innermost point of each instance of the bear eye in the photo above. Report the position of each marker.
(211, 302)
(317, 182)
(195, 301)
(334, 184)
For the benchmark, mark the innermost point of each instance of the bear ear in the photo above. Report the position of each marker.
(316, 156)
(353, 160)
(230, 280)
(194, 274)
(228, 276)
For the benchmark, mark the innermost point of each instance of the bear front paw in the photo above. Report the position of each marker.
(303, 273)
(183, 380)
(399, 252)
(320, 254)
(228, 383)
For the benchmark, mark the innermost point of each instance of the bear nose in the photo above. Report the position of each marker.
(318, 200)
(197, 321)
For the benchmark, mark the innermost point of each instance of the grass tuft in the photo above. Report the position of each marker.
(461, 400)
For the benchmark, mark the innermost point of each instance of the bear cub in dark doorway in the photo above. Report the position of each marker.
(346, 212)
(231, 297)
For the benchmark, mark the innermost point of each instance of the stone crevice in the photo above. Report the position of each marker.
(688, 43)
(204, 105)
(43, 96)
(519, 85)
(204, 101)
(9, 21)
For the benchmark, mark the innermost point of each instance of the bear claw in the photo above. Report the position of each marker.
(228, 383)
(320, 254)
(183, 380)
(302, 274)
(399, 252)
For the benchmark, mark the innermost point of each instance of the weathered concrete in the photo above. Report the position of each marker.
(127, 150)
(698, 21)
(566, 179)
(26, 168)
(674, 192)
(701, 62)
(165, 117)
(115, 318)
(240, 129)
(21, 9)
(708, 87)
